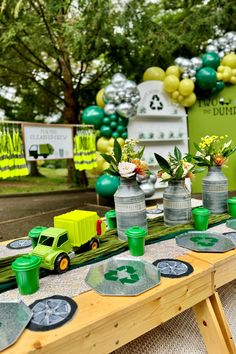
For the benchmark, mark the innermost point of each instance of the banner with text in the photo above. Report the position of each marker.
(47, 142)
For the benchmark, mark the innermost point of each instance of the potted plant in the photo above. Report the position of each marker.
(213, 152)
(125, 162)
(176, 197)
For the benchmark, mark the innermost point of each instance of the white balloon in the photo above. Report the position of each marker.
(118, 80)
(222, 42)
(109, 93)
(230, 35)
(197, 62)
(130, 86)
(221, 54)
(109, 108)
(124, 109)
(211, 49)
(193, 78)
(185, 75)
(178, 60)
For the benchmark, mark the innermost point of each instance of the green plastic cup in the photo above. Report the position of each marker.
(35, 233)
(200, 217)
(111, 219)
(136, 240)
(232, 206)
(26, 269)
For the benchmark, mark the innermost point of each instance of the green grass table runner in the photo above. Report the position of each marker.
(110, 245)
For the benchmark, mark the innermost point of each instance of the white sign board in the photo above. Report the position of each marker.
(47, 142)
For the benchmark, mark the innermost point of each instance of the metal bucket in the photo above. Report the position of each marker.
(177, 203)
(215, 190)
(130, 206)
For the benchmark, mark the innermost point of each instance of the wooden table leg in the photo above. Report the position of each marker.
(213, 326)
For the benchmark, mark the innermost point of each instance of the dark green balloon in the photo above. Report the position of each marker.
(124, 135)
(113, 125)
(106, 121)
(115, 135)
(206, 78)
(93, 115)
(113, 117)
(211, 60)
(120, 129)
(106, 185)
(106, 131)
(220, 85)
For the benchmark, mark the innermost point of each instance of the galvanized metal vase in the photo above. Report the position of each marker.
(130, 206)
(177, 203)
(215, 190)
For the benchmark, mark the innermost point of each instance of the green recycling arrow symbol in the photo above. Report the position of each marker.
(132, 276)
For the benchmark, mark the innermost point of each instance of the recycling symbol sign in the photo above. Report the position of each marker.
(125, 274)
(155, 103)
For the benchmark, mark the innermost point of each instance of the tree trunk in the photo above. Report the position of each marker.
(33, 169)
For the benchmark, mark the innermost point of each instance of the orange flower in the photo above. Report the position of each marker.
(141, 166)
(219, 159)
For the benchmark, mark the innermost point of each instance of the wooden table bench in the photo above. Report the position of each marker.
(104, 323)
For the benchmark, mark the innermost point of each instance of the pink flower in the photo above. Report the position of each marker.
(126, 169)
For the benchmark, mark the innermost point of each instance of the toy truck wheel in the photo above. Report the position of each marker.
(62, 263)
(94, 244)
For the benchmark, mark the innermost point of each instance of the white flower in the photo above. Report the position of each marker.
(126, 169)
(165, 176)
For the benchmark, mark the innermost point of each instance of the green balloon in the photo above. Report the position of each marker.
(206, 78)
(115, 135)
(113, 125)
(106, 185)
(113, 117)
(211, 60)
(106, 121)
(120, 129)
(106, 131)
(93, 115)
(220, 85)
(124, 135)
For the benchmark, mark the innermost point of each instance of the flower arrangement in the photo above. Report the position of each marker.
(126, 161)
(213, 150)
(176, 166)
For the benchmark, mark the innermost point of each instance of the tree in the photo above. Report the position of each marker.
(57, 53)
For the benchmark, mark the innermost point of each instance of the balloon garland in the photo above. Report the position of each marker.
(199, 76)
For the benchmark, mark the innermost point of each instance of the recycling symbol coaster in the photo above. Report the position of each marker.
(19, 244)
(123, 277)
(155, 103)
(125, 274)
(173, 268)
(231, 236)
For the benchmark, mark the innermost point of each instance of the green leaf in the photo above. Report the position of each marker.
(140, 153)
(177, 153)
(197, 147)
(108, 158)
(163, 163)
(199, 169)
(117, 151)
(111, 172)
(179, 172)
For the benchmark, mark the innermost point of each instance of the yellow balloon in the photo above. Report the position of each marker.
(175, 95)
(99, 98)
(121, 141)
(219, 76)
(171, 83)
(154, 73)
(186, 87)
(220, 69)
(189, 100)
(109, 149)
(234, 72)
(102, 144)
(180, 98)
(111, 142)
(173, 70)
(233, 80)
(226, 76)
(229, 60)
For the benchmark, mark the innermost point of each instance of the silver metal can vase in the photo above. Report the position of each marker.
(130, 206)
(215, 190)
(177, 203)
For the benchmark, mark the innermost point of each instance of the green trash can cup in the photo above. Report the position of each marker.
(200, 217)
(136, 240)
(111, 219)
(26, 269)
(35, 233)
(232, 206)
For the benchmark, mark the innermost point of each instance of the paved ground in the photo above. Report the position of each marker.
(20, 214)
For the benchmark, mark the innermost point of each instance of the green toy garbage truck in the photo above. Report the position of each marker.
(41, 150)
(57, 245)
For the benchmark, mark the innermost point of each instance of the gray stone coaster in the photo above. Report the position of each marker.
(173, 268)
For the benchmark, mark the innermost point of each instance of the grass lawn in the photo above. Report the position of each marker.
(53, 180)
